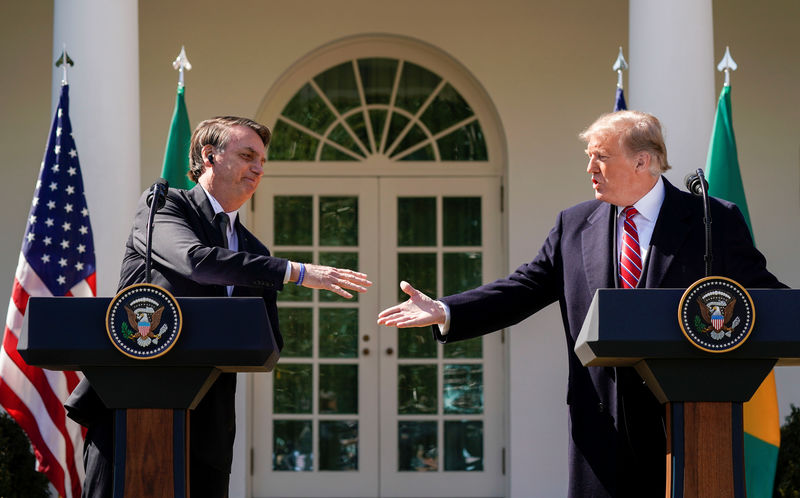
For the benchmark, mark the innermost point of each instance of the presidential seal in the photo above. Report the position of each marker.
(143, 321)
(716, 314)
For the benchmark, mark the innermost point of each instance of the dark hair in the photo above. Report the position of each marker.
(216, 132)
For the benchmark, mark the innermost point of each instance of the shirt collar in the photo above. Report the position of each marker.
(217, 207)
(650, 205)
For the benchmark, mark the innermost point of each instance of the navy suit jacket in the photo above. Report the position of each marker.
(188, 259)
(617, 434)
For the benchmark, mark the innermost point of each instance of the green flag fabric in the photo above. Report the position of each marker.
(761, 415)
(722, 164)
(176, 155)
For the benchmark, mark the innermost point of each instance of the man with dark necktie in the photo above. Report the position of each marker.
(200, 248)
(639, 231)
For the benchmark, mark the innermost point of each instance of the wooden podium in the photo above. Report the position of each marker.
(150, 397)
(703, 391)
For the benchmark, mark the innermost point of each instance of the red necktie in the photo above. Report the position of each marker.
(630, 261)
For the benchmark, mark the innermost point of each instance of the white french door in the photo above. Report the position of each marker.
(357, 410)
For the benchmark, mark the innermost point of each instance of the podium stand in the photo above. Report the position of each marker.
(703, 392)
(150, 397)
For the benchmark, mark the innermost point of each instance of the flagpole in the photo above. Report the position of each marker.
(727, 64)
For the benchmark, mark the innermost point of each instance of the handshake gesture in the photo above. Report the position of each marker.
(418, 311)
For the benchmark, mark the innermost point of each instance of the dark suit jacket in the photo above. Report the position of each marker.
(617, 436)
(188, 260)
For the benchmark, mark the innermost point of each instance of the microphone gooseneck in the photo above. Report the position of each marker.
(155, 201)
(696, 184)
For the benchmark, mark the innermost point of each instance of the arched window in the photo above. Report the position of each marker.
(372, 104)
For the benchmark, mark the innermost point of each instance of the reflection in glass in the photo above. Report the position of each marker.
(447, 109)
(291, 440)
(338, 221)
(419, 270)
(338, 332)
(461, 220)
(416, 389)
(415, 85)
(347, 260)
(377, 78)
(308, 109)
(471, 348)
(416, 446)
(292, 388)
(463, 388)
(338, 445)
(296, 331)
(416, 221)
(416, 343)
(462, 271)
(292, 292)
(465, 144)
(339, 85)
(338, 388)
(463, 445)
(290, 144)
(413, 137)
(292, 220)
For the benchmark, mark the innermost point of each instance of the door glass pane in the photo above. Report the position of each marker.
(292, 445)
(348, 260)
(296, 331)
(290, 144)
(447, 109)
(471, 348)
(340, 136)
(416, 343)
(292, 220)
(377, 78)
(463, 445)
(463, 388)
(416, 84)
(416, 389)
(338, 332)
(462, 271)
(292, 388)
(461, 221)
(416, 221)
(338, 445)
(338, 221)
(416, 446)
(338, 388)
(308, 109)
(465, 144)
(292, 292)
(419, 270)
(339, 85)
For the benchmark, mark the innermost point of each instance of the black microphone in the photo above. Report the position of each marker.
(158, 192)
(696, 182)
(155, 201)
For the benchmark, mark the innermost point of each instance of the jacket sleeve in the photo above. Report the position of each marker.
(508, 300)
(184, 242)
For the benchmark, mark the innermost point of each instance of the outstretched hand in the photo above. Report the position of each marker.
(335, 279)
(419, 311)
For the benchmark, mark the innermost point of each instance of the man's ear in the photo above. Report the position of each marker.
(643, 161)
(208, 153)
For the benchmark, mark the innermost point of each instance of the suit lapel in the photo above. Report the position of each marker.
(596, 248)
(669, 235)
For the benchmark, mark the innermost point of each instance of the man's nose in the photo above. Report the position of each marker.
(592, 166)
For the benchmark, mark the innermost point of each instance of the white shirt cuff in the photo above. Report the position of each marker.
(444, 329)
(288, 272)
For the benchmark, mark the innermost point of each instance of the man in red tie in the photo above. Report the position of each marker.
(639, 231)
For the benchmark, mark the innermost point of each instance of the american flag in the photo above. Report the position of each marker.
(57, 259)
